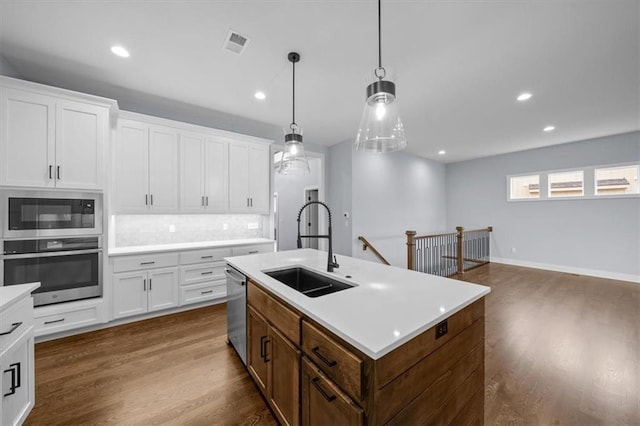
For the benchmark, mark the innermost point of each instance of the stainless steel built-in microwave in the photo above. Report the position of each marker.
(34, 214)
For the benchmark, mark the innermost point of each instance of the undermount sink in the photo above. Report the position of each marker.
(307, 282)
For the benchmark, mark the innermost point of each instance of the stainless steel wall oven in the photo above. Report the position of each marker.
(67, 268)
(54, 237)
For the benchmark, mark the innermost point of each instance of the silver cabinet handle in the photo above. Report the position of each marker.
(54, 321)
(50, 167)
(150, 284)
(146, 263)
(58, 172)
(151, 199)
(206, 292)
(144, 284)
(251, 202)
(253, 251)
(146, 199)
(12, 329)
(202, 202)
(207, 200)
(206, 257)
(206, 273)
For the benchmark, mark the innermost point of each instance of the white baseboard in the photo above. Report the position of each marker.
(569, 269)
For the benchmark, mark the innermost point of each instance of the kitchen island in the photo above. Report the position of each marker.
(399, 347)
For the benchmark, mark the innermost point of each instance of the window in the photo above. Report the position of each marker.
(523, 187)
(617, 180)
(566, 184)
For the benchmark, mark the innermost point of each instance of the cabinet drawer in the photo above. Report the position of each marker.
(194, 274)
(342, 366)
(253, 249)
(14, 321)
(135, 263)
(56, 322)
(281, 317)
(207, 255)
(322, 401)
(202, 292)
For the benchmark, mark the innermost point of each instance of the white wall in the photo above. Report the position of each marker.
(600, 237)
(290, 191)
(6, 69)
(393, 193)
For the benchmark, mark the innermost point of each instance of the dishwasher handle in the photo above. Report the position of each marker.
(233, 275)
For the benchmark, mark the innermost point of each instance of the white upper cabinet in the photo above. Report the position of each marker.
(203, 173)
(248, 178)
(146, 168)
(50, 141)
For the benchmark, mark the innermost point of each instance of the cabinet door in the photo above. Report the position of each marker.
(257, 338)
(163, 289)
(17, 381)
(238, 177)
(284, 378)
(81, 130)
(215, 160)
(27, 141)
(163, 170)
(323, 403)
(259, 179)
(129, 294)
(132, 167)
(191, 173)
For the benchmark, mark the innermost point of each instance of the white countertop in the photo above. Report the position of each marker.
(388, 307)
(159, 248)
(11, 294)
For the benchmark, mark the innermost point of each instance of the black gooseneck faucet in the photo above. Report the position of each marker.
(331, 261)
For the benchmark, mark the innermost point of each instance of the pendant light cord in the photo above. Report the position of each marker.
(293, 118)
(379, 36)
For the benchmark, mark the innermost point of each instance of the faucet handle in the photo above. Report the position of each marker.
(335, 262)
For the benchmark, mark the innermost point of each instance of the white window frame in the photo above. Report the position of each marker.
(588, 184)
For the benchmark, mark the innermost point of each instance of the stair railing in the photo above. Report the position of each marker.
(366, 244)
(450, 253)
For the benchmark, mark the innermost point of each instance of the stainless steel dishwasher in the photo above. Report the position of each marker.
(237, 311)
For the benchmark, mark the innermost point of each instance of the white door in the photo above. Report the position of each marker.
(215, 161)
(163, 170)
(163, 289)
(27, 141)
(191, 173)
(80, 134)
(132, 167)
(259, 175)
(238, 177)
(129, 294)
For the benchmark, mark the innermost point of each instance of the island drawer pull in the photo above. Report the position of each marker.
(147, 263)
(14, 369)
(12, 329)
(326, 396)
(316, 351)
(206, 292)
(53, 321)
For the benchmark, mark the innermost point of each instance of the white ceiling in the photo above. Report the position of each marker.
(458, 65)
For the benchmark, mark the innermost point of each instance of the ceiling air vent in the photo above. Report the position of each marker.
(235, 42)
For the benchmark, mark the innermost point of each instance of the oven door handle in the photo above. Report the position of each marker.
(50, 254)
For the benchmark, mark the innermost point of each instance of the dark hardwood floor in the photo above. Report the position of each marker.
(560, 349)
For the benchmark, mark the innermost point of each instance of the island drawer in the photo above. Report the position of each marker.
(206, 255)
(323, 403)
(148, 261)
(337, 362)
(15, 321)
(281, 317)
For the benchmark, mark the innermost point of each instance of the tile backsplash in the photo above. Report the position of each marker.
(139, 230)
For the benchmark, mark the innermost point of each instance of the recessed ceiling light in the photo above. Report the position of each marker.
(120, 51)
(259, 95)
(524, 96)
(549, 129)
(442, 152)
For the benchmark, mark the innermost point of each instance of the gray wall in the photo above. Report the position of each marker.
(393, 193)
(339, 194)
(596, 235)
(6, 69)
(290, 191)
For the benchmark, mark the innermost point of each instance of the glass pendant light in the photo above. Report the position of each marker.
(381, 129)
(293, 161)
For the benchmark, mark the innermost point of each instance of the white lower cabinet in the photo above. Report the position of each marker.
(139, 292)
(202, 275)
(67, 316)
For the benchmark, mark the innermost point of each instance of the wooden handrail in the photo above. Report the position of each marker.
(366, 243)
(421, 237)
